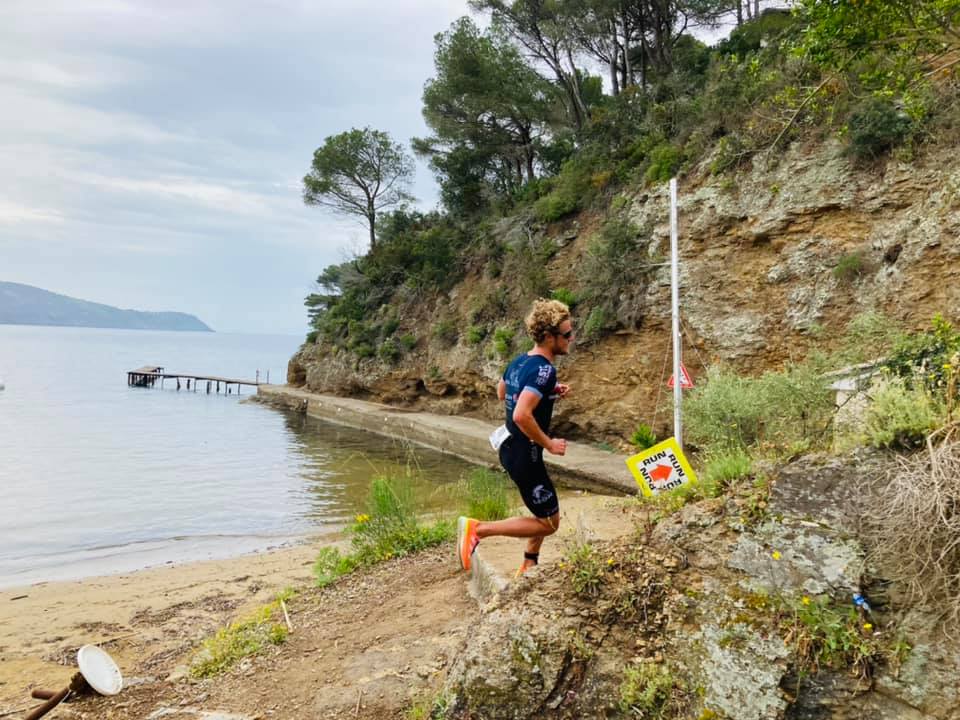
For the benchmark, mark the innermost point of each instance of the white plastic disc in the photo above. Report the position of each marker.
(99, 669)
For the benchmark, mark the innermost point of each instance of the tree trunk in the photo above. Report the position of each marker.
(756, 9)
(614, 80)
(372, 220)
(740, 12)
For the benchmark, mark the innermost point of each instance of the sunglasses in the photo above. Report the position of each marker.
(567, 335)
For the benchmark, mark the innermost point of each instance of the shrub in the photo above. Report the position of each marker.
(409, 341)
(389, 351)
(565, 296)
(586, 569)
(875, 127)
(503, 341)
(599, 320)
(643, 437)
(476, 334)
(914, 522)
(664, 163)
(389, 528)
(776, 411)
(445, 331)
(487, 495)
(899, 416)
(729, 154)
(725, 467)
(570, 191)
(363, 350)
(240, 639)
(927, 358)
(390, 326)
(868, 336)
(312, 337)
(850, 267)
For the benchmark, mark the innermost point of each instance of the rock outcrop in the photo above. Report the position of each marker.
(694, 597)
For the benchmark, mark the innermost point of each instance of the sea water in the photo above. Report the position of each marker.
(99, 477)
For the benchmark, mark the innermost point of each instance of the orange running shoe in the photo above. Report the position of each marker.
(467, 540)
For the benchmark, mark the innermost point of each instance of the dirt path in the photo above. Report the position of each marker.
(370, 646)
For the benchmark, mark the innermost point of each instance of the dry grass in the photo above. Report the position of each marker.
(915, 524)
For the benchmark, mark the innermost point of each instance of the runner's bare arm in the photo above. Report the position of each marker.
(502, 390)
(523, 417)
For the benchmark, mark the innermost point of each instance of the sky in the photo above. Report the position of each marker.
(152, 150)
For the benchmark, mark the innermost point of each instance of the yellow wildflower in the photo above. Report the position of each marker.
(868, 626)
(362, 518)
(609, 561)
(805, 600)
(776, 555)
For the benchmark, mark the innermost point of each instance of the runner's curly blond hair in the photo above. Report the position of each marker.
(545, 317)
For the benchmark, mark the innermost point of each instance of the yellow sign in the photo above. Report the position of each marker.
(661, 468)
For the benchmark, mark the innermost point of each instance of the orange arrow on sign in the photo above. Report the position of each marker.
(661, 472)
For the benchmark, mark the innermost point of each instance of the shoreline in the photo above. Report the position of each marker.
(145, 618)
(148, 555)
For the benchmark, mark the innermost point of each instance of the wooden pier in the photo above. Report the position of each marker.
(148, 375)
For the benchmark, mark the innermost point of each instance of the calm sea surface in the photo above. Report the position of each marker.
(97, 477)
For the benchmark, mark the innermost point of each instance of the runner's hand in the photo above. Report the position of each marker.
(557, 446)
(562, 389)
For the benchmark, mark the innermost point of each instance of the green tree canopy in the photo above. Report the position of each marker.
(840, 28)
(488, 110)
(359, 173)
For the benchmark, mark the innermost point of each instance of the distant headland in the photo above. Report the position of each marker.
(27, 305)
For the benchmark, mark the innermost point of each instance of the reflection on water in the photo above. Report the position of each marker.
(338, 464)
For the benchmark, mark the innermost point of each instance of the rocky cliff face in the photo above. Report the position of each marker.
(758, 251)
(688, 607)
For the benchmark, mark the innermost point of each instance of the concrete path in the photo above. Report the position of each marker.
(584, 517)
(582, 467)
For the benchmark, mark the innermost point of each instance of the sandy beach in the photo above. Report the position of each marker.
(144, 619)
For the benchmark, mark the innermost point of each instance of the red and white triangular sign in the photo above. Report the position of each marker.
(685, 382)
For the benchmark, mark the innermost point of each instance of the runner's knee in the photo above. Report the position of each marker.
(550, 524)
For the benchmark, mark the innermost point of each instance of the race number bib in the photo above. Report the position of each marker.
(498, 436)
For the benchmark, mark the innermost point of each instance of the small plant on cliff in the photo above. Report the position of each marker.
(567, 297)
(850, 267)
(586, 569)
(830, 637)
(476, 334)
(643, 437)
(646, 691)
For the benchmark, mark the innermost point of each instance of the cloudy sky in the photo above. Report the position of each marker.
(152, 150)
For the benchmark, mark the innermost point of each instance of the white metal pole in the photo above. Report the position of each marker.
(675, 311)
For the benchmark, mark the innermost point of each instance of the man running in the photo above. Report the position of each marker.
(528, 387)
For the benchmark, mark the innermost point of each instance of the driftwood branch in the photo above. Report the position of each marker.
(796, 114)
